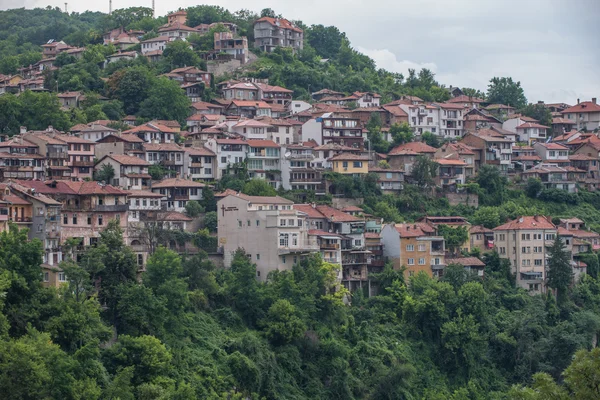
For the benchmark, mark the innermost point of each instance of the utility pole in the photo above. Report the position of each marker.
(153, 10)
(66, 12)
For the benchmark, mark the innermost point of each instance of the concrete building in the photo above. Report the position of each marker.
(178, 192)
(271, 231)
(585, 114)
(490, 148)
(350, 164)
(131, 173)
(298, 171)
(531, 132)
(270, 33)
(202, 163)
(264, 161)
(229, 153)
(236, 47)
(524, 242)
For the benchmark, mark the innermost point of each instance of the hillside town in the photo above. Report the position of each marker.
(67, 185)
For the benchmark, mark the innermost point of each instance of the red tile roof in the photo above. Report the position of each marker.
(335, 215)
(231, 141)
(527, 223)
(465, 99)
(417, 147)
(348, 156)
(279, 23)
(532, 125)
(91, 188)
(143, 193)
(127, 160)
(177, 182)
(552, 146)
(449, 161)
(583, 107)
(413, 230)
(151, 127)
(262, 143)
(466, 261)
(162, 147)
(199, 151)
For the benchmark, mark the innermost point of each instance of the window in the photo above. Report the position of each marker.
(290, 222)
(525, 263)
(538, 262)
(282, 222)
(537, 236)
(248, 223)
(140, 259)
(257, 222)
(345, 164)
(258, 256)
(502, 250)
(100, 219)
(239, 224)
(410, 247)
(62, 277)
(284, 239)
(357, 164)
(89, 219)
(525, 250)
(283, 259)
(421, 261)
(74, 219)
(46, 277)
(299, 222)
(421, 247)
(550, 236)
(525, 236)
(65, 219)
(223, 160)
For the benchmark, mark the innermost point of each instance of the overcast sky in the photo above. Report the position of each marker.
(551, 46)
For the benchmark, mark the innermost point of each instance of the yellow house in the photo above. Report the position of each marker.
(348, 163)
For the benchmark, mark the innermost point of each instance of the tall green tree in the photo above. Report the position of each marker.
(424, 171)
(178, 54)
(506, 91)
(560, 272)
(165, 100)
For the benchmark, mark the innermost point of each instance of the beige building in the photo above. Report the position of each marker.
(269, 229)
(524, 243)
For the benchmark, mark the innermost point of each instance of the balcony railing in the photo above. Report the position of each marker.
(83, 163)
(330, 246)
(111, 208)
(58, 154)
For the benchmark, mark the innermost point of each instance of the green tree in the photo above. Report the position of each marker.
(506, 91)
(424, 171)
(582, 374)
(258, 187)
(534, 187)
(538, 111)
(487, 216)
(325, 40)
(131, 86)
(455, 237)
(431, 139)
(401, 133)
(165, 100)
(493, 184)
(178, 54)
(193, 208)
(476, 93)
(211, 221)
(282, 325)
(560, 272)
(163, 276)
(105, 173)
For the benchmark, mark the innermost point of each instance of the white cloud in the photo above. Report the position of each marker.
(387, 60)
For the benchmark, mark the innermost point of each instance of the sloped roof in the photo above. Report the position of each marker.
(177, 182)
(417, 147)
(262, 143)
(127, 160)
(583, 107)
(527, 223)
(280, 23)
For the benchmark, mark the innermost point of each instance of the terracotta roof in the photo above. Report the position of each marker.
(280, 23)
(162, 147)
(90, 188)
(449, 161)
(177, 182)
(352, 209)
(372, 235)
(527, 223)
(582, 157)
(552, 146)
(408, 230)
(527, 158)
(157, 39)
(465, 99)
(316, 232)
(176, 26)
(199, 151)
(231, 141)
(13, 199)
(333, 146)
(479, 229)
(466, 261)
(124, 137)
(261, 199)
(173, 216)
(250, 103)
(251, 123)
(417, 147)
(583, 107)
(335, 215)
(262, 143)
(565, 136)
(202, 105)
(75, 140)
(127, 160)
(151, 127)
(532, 125)
(395, 110)
(499, 107)
(451, 106)
(144, 193)
(47, 138)
(563, 121)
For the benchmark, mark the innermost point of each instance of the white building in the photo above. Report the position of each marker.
(229, 152)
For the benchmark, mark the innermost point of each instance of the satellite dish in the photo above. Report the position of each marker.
(287, 155)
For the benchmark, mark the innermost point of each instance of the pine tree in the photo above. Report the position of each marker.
(560, 273)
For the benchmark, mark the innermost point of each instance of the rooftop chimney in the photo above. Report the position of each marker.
(23, 129)
(577, 101)
(594, 100)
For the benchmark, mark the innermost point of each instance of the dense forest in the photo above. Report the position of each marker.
(188, 330)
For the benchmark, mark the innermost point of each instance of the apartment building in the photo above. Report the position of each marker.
(414, 246)
(451, 120)
(350, 164)
(236, 47)
(423, 118)
(531, 132)
(229, 153)
(169, 155)
(178, 192)
(330, 128)
(153, 132)
(490, 148)
(297, 170)
(270, 33)
(552, 153)
(81, 156)
(127, 144)
(55, 150)
(481, 238)
(271, 231)
(20, 159)
(131, 173)
(251, 129)
(264, 161)
(202, 163)
(524, 242)
(554, 176)
(94, 132)
(404, 156)
(458, 151)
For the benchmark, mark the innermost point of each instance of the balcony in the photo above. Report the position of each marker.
(21, 220)
(330, 246)
(332, 260)
(111, 208)
(422, 111)
(53, 234)
(82, 163)
(58, 154)
(302, 157)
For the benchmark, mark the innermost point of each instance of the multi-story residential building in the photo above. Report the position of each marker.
(552, 152)
(475, 119)
(585, 114)
(264, 161)
(248, 109)
(271, 231)
(236, 47)
(403, 156)
(452, 222)
(281, 131)
(423, 118)
(524, 157)
(350, 164)
(451, 120)
(330, 245)
(524, 242)
(465, 101)
(414, 246)
(229, 153)
(178, 192)
(202, 163)
(451, 173)
(490, 148)
(187, 75)
(94, 132)
(270, 33)
(155, 46)
(531, 132)
(176, 26)
(122, 143)
(70, 99)
(19, 159)
(81, 156)
(577, 227)
(390, 180)
(554, 177)
(297, 171)
(334, 129)
(560, 126)
(55, 150)
(153, 132)
(591, 166)
(458, 151)
(131, 173)
(169, 155)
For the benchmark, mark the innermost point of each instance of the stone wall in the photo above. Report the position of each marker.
(463, 198)
(218, 68)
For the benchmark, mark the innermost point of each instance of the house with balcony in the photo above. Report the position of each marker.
(490, 148)
(524, 242)
(423, 118)
(330, 245)
(500, 110)
(270, 33)
(514, 120)
(70, 99)
(55, 150)
(248, 109)
(281, 131)
(414, 246)
(524, 157)
(451, 120)
(153, 48)
(187, 75)
(450, 174)
(350, 164)
(585, 115)
(170, 156)
(465, 101)
(20, 159)
(202, 163)
(230, 153)
(481, 238)
(131, 173)
(273, 233)
(458, 151)
(263, 161)
(531, 132)
(453, 221)
(94, 132)
(554, 176)
(228, 43)
(176, 26)
(591, 166)
(560, 126)
(390, 180)
(334, 129)
(81, 156)
(298, 171)
(178, 192)
(577, 227)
